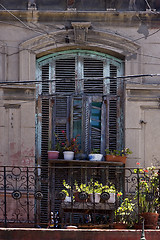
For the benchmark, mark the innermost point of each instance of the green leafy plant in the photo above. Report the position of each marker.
(123, 212)
(67, 188)
(123, 152)
(71, 145)
(147, 191)
(50, 146)
(58, 146)
(95, 151)
(90, 187)
(95, 186)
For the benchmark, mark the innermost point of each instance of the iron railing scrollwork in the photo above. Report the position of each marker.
(21, 195)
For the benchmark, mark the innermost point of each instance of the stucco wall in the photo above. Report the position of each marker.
(142, 124)
(17, 126)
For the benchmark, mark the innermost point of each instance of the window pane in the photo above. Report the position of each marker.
(96, 125)
(96, 115)
(77, 119)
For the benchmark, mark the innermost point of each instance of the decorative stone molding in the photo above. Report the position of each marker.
(17, 92)
(103, 40)
(143, 92)
(92, 39)
(80, 31)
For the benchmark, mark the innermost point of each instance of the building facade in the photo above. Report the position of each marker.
(90, 69)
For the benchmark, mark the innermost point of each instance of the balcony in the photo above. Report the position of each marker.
(36, 197)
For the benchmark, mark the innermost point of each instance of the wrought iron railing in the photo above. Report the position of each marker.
(30, 198)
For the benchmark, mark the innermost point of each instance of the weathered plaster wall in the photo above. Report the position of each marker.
(17, 126)
(142, 124)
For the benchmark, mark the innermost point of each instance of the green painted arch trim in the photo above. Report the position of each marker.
(79, 52)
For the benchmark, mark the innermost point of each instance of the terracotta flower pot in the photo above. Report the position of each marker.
(150, 220)
(53, 155)
(113, 158)
(77, 197)
(120, 225)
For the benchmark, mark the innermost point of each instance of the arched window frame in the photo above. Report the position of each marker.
(47, 95)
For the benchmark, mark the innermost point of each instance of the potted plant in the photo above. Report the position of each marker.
(53, 153)
(70, 147)
(111, 190)
(123, 214)
(79, 155)
(99, 192)
(117, 155)
(77, 192)
(93, 191)
(95, 155)
(80, 192)
(66, 192)
(147, 195)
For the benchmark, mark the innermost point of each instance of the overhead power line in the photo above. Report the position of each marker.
(80, 79)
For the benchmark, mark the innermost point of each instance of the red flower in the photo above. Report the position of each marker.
(119, 194)
(138, 163)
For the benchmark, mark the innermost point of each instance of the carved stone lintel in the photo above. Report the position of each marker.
(80, 31)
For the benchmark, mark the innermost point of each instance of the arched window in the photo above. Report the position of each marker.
(79, 93)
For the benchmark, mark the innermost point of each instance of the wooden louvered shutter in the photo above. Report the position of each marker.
(93, 72)
(65, 75)
(112, 124)
(61, 121)
(44, 144)
(65, 85)
(113, 107)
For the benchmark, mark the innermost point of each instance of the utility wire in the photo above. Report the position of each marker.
(18, 19)
(81, 79)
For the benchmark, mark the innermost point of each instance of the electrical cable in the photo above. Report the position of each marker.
(81, 79)
(18, 19)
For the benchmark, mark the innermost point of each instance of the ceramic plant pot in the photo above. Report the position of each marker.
(81, 156)
(68, 155)
(112, 198)
(95, 157)
(95, 197)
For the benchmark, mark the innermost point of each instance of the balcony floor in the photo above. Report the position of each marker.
(77, 234)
